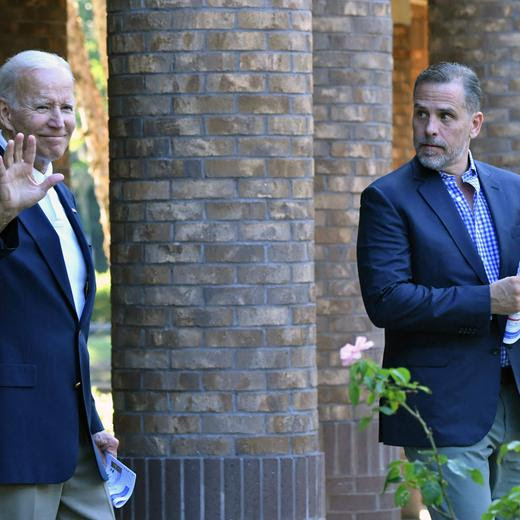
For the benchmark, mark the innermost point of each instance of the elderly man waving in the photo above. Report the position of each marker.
(51, 438)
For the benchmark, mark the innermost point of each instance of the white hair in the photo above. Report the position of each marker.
(15, 66)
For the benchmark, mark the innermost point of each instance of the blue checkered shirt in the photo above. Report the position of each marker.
(479, 225)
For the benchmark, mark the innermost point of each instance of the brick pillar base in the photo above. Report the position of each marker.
(356, 473)
(218, 488)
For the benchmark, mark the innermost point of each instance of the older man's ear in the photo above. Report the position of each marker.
(5, 117)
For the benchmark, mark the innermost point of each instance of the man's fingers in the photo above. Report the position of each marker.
(18, 147)
(8, 154)
(29, 153)
(51, 181)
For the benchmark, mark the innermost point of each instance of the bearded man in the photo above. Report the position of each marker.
(438, 251)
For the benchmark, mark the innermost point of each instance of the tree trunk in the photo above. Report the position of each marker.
(93, 115)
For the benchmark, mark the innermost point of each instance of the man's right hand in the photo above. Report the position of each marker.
(505, 295)
(18, 189)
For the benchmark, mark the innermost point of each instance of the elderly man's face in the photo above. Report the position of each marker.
(45, 109)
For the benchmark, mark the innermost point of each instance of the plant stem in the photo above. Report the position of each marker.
(417, 416)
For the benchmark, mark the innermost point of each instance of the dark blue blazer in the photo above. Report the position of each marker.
(43, 351)
(423, 281)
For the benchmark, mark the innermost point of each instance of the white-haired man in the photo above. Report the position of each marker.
(51, 438)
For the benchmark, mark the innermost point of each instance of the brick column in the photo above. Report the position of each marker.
(410, 54)
(352, 146)
(214, 363)
(491, 48)
(42, 25)
(39, 24)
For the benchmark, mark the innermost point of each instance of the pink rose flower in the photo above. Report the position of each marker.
(349, 354)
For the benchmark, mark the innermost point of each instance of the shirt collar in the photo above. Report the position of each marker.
(471, 168)
(38, 176)
(470, 175)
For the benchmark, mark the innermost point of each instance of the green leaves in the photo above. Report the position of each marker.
(385, 390)
(505, 448)
(506, 508)
(431, 492)
(372, 384)
(400, 375)
(354, 393)
(461, 469)
(414, 475)
(402, 496)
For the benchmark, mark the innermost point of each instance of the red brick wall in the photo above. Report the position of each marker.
(491, 48)
(213, 301)
(402, 149)
(410, 46)
(352, 146)
(34, 24)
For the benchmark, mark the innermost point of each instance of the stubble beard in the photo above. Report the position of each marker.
(439, 161)
(433, 162)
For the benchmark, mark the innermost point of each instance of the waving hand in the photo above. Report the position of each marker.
(18, 189)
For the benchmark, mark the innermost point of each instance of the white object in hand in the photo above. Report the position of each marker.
(512, 333)
(121, 481)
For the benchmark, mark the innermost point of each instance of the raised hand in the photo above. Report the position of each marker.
(18, 189)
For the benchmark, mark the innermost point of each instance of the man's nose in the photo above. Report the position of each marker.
(432, 126)
(56, 119)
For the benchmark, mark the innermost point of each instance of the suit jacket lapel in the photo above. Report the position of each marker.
(73, 217)
(500, 207)
(48, 243)
(39, 228)
(437, 197)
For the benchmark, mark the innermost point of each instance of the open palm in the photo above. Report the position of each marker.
(18, 189)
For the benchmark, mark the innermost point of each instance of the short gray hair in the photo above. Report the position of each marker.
(446, 72)
(15, 66)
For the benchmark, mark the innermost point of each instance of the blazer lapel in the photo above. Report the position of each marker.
(73, 217)
(39, 228)
(500, 207)
(437, 197)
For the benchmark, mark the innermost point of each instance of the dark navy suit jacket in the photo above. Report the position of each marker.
(43, 351)
(423, 281)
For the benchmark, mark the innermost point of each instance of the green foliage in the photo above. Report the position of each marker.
(82, 183)
(87, 16)
(506, 508)
(506, 448)
(385, 390)
(381, 385)
(99, 351)
(414, 475)
(102, 308)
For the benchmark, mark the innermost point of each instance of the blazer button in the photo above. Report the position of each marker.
(78, 384)
(495, 352)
